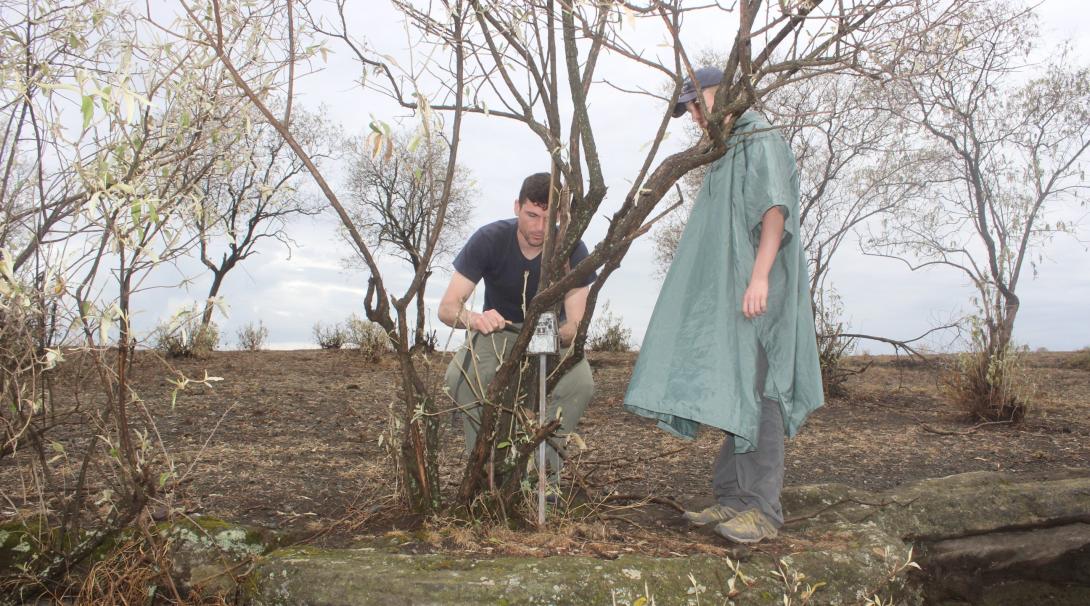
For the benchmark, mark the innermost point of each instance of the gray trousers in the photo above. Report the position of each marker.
(754, 480)
(473, 368)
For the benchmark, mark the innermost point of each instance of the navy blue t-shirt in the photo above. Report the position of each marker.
(493, 253)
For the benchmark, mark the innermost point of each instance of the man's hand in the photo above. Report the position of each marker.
(488, 322)
(755, 300)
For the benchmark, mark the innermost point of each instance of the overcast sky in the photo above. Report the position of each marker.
(290, 293)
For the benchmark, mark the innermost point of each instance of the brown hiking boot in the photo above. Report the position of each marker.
(750, 526)
(716, 513)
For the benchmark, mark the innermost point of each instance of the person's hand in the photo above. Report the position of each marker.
(755, 300)
(488, 322)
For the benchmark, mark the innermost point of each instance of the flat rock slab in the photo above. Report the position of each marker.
(969, 504)
(1003, 552)
(368, 576)
(856, 545)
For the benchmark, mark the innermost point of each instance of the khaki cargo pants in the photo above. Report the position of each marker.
(474, 367)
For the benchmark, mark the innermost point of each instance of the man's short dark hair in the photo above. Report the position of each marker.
(535, 188)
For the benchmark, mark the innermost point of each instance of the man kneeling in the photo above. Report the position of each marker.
(507, 255)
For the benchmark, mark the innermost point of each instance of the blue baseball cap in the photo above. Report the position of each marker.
(707, 76)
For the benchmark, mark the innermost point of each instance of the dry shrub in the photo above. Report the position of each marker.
(329, 337)
(429, 343)
(251, 337)
(137, 572)
(832, 347)
(609, 333)
(990, 387)
(23, 392)
(369, 338)
(1081, 361)
(187, 339)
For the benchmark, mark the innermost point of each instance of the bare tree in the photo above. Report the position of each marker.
(105, 136)
(255, 197)
(396, 195)
(227, 29)
(1007, 141)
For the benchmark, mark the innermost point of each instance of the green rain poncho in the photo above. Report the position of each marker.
(697, 365)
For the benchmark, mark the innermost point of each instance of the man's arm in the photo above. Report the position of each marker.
(755, 300)
(575, 306)
(452, 311)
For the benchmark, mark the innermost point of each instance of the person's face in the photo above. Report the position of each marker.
(531, 222)
(694, 107)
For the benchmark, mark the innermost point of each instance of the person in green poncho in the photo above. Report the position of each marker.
(731, 343)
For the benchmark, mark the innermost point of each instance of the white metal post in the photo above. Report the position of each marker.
(546, 340)
(541, 477)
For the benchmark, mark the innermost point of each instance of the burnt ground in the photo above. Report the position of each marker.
(291, 440)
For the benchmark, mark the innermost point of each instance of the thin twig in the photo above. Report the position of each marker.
(971, 430)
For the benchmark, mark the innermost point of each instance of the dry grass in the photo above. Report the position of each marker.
(138, 571)
(991, 388)
(1081, 360)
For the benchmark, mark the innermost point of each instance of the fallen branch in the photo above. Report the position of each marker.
(667, 501)
(623, 519)
(638, 459)
(896, 343)
(943, 432)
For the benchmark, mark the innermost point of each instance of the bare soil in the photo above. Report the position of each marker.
(291, 440)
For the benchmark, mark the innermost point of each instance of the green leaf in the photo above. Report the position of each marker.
(88, 110)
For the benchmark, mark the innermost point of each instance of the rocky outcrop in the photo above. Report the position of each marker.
(369, 576)
(980, 538)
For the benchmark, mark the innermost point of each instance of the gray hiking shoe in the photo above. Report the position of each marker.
(708, 515)
(750, 526)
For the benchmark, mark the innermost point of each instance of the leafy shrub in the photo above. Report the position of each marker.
(183, 337)
(369, 338)
(608, 333)
(251, 337)
(331, 337)
(990, 385)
